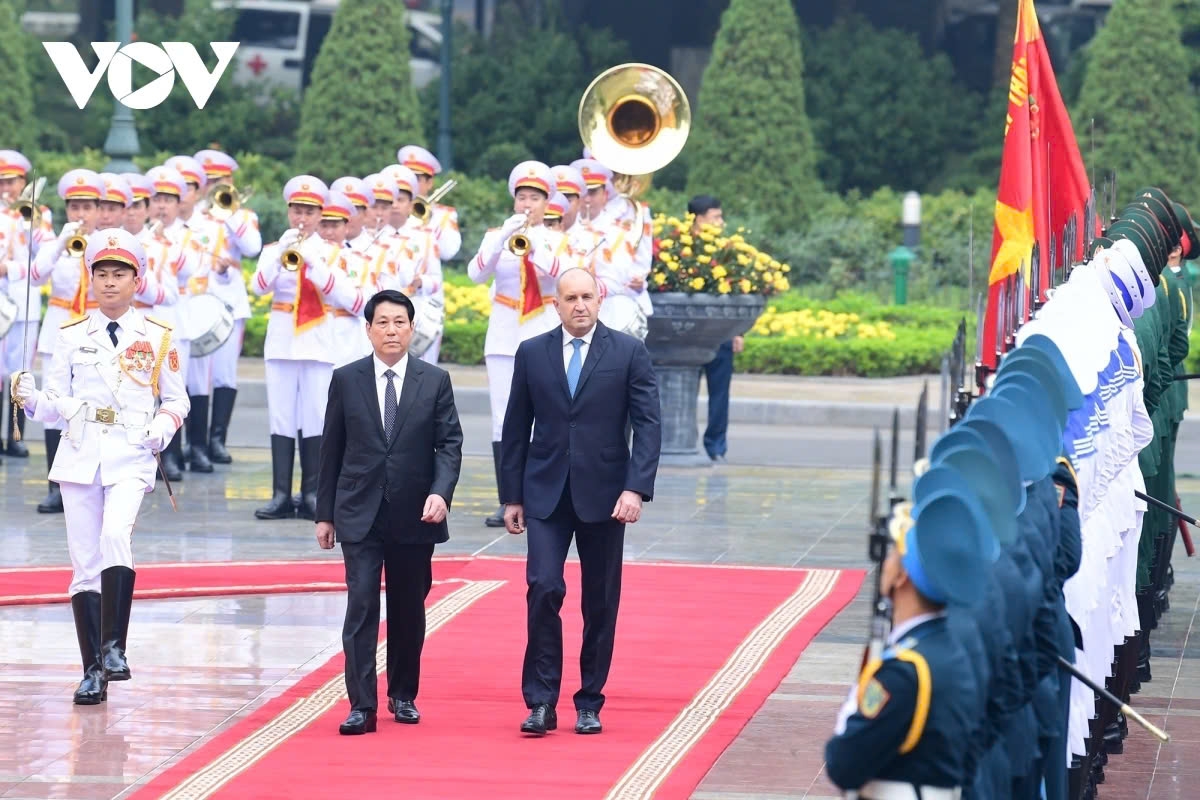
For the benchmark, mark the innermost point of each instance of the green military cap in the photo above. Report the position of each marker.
(1144, 218)
(1164, 211)
(1153, 255)
(1190, 241)
(1096, 244)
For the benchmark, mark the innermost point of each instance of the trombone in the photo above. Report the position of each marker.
(223, 201)
(26, 204)
(518, 244)
(422, 207)
(292, 259)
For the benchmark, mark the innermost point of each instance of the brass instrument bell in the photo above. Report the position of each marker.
(292, 259)
(223, 200)
(422, 207)
(518, 244)
(76, 245)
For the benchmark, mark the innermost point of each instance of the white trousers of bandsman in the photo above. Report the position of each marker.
(299, 364)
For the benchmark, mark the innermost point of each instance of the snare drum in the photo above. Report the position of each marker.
(622, 313)
(208, 323)
(8, 313)
(427, 326)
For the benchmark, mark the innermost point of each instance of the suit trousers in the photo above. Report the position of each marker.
(601, 547)
(297, 392)
(100, 522)
(409, 571)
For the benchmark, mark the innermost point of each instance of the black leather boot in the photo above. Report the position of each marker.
(16, 422)
(53, 502)
(93, 689)
(310, 467)
(222, 412)
(496, 520)
(283, 461)
(172, 457)
(197, 434)
(116, 601)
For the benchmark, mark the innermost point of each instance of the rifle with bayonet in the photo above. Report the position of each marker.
(877, 546)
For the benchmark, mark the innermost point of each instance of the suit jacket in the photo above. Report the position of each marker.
(582, 436)
(423, 457)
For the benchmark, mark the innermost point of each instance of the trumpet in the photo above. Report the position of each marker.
(422, 207)
(77, 244)
(223, 201)
(292, 259)
(26, 204)
(519, 244)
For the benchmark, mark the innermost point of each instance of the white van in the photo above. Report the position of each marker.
(280, 40)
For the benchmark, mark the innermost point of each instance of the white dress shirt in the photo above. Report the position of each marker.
(381, 382)
(569, 349)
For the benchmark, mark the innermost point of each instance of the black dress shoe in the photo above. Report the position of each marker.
(405, 711)
(541, 719)
(358, 723)
(588, 721)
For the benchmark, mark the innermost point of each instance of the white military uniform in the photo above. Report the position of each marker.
(519, 310)
(14, 251)
(105, 395)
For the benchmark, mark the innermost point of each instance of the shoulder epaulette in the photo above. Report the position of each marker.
(159, 322)
(71, 322)
(1070, 468)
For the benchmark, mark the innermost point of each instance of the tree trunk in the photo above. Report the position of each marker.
(1006, 29)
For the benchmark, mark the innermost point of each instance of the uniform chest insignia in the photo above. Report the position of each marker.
(874, 698)
(88, 350)
(173, 360)
(138, 357)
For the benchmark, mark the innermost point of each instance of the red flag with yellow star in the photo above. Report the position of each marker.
(1043, 181)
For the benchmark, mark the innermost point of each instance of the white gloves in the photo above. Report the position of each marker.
(158, 433)
(513, 224)
(67, 232)
(289, 239)
(24, 386)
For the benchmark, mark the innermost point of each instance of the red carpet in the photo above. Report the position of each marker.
(30, 586)
(699, 649)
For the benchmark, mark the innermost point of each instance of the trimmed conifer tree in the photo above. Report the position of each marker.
(1137, 90)
(361, 106)
(751, 144)
(17, 128)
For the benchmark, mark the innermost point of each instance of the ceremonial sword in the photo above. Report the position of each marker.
(25, 365)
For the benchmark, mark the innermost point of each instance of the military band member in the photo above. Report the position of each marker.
(18, 346)
(361, 201)
(414, 244)
(522, 287)
(555, 209)
(352, 267)
(69, 288)
(197, 181)
(233, 237)
(299, 347)
(618, 238)
(169, 190)
(383, 190)
(443, 220)
(903, 730)
(569, 181)
(108, 369)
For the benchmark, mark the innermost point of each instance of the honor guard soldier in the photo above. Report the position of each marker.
(519, 259)
(109, 368)
(902, 732)
(60, 262)
(299, 346)
(14, 282)
(443, 219)
(233, 234)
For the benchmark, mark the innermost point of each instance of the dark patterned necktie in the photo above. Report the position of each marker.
(112, 332)
(389, 406)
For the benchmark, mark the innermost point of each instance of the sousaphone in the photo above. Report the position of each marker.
(634, 119)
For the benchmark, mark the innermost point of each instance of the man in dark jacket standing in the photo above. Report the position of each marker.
(390, 460)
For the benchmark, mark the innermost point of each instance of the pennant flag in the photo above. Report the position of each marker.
(1043, 181)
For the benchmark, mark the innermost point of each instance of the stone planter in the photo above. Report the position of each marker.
(685, 332)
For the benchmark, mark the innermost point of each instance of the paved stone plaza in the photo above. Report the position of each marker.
(201, 663)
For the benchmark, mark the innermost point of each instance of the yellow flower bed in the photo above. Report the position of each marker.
(467, 303)
(819, 324)
(709, 261)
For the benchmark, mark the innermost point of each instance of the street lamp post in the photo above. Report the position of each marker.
(122, 142)
(903, 256)
(445, 153)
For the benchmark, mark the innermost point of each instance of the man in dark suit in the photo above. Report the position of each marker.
(390, 460)
(576, 388)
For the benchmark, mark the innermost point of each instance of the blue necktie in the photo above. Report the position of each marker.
(112, 332)
(575, 367)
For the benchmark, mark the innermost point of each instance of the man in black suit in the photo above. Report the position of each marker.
(390, 459)
(576, 388)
